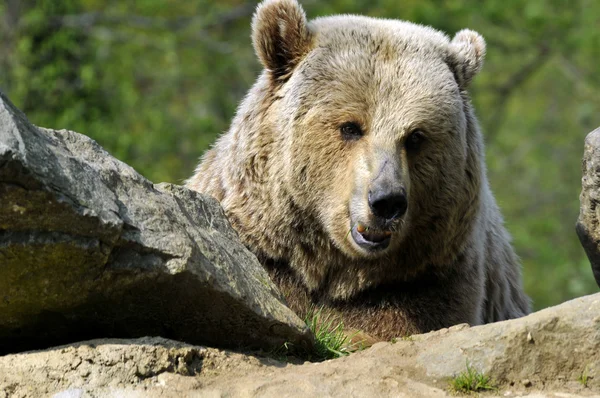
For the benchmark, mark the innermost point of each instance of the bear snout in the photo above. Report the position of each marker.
(388, 203)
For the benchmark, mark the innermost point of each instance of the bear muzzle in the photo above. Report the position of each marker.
(371, 239)
(374, 222)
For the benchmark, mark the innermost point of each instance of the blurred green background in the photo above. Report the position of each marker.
(155, 81)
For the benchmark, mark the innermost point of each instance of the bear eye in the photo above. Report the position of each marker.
(351, 131)
(415, 140)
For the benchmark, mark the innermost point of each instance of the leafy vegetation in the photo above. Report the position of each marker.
(584, 377)
(155, 81)
(471, 381)
(330, 337)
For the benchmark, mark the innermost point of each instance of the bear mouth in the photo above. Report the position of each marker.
(370, 238)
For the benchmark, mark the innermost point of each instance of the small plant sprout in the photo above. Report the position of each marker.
(331, 341)
(584, 377)
(471, 381)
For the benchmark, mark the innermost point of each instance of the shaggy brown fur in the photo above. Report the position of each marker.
(296, 185)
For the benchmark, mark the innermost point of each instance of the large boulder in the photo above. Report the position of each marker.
(90, 248)
(554, 353)
(588, 224)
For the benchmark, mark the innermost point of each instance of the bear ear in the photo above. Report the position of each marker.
(467, 51)
(280, 35)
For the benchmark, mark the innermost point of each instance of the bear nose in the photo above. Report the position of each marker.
(388, 205)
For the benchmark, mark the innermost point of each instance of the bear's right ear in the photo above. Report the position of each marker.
(280, 35)
(467, 51)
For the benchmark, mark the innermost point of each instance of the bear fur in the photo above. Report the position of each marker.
(348, 107)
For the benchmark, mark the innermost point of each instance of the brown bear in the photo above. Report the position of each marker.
(354, 169)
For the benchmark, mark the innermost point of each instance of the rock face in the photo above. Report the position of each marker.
(588, 224)
(89, 248)
(543, 354)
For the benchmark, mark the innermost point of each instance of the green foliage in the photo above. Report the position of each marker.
(584, 377)
(471, 381)
(331, 341)
(155, 81)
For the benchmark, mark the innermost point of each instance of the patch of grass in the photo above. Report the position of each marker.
(471, 381)
(283, 353)
(584, 377)
(331, 341)
(394, 340)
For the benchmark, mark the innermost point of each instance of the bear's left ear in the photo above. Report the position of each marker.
(467, 51)
(280, 35)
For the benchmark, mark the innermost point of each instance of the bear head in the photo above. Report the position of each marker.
(376, 129)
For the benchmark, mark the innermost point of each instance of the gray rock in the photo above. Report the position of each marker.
(90, 248)
(587, 227)
(544, 354)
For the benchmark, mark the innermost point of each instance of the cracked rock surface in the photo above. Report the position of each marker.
(89, 248)
(588, 224)
(545, 354)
